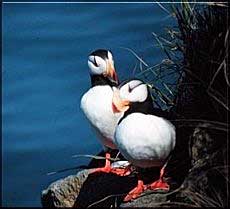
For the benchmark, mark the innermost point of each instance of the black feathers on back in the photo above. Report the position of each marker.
(100, 80)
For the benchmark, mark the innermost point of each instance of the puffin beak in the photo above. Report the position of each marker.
(119, 105)
(111, 72)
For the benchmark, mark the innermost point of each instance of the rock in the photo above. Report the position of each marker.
(104, 190)
(206, 178)
(146, 200)
(84, 190)
(98, 190)
(63, 193)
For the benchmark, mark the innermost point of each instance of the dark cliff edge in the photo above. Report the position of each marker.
(198, 169)
(205, 183)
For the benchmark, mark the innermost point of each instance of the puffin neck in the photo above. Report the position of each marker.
(145, 107)
(142, 107)
(100, 80)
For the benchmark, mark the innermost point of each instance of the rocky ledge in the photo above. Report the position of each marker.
(190, 185)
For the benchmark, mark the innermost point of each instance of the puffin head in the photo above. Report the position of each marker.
(101, 62)
(132, 92)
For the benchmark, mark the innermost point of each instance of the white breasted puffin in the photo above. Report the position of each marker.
(96, 103)
(142, 135)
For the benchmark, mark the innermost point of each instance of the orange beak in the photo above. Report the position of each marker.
(111, 72)
(119, 105)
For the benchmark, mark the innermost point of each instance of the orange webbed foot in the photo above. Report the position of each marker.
(159, 185)
(109, 169)
(134, 193)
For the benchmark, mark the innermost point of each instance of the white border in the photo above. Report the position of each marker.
(111, 2)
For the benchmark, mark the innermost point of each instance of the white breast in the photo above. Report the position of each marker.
(96, 103)
(145, 140)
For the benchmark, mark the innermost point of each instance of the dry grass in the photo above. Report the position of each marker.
(193, 82)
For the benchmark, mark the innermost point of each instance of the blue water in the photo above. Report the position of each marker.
(45, 73)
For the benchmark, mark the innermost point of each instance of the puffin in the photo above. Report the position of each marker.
(96, 104)
(143, 136)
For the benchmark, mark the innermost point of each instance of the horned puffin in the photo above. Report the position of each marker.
(142, 136)
(96, 103)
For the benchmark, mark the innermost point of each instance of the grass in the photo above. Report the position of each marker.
(202, 92)
(193, 82)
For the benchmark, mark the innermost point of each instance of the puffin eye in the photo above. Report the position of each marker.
(97, 65)
(129, 89)
(92, 59)
(95, 62)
